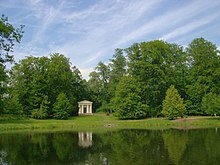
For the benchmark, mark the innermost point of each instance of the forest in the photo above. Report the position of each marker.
(147, 79)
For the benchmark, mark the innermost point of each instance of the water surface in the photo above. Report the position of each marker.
(122, 147)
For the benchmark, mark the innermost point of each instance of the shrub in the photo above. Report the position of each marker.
(39, 113)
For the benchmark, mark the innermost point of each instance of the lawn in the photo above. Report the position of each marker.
(103, 122)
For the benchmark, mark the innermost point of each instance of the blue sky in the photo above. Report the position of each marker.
(88, 31)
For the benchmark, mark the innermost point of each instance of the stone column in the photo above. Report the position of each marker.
(90, 108)
(79, 108)
(87, 108)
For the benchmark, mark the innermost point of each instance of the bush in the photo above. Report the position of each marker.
(173, 105)
(39, 113)
(62, 107)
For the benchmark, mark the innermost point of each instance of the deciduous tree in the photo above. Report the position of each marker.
(127, 102)
(211, 104)
(204, 73)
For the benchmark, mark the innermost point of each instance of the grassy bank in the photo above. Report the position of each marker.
(101, 121)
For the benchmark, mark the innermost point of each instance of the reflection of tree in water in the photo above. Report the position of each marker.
(12, 144)
(41, 143)
(212, 144)
(203, 147)
(113, 147)
(135, 147)
(62, 144)
(175, 141)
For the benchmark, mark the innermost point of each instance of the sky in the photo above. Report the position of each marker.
(89, 31)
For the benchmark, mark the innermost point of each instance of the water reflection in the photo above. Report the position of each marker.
(175, 142)
(120, 147)
(85, 139)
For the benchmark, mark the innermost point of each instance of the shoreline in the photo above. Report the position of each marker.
(103, 122)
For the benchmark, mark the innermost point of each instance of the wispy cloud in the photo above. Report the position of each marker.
(161, 23)
(184, 29)
(101, 32)
(89, 31)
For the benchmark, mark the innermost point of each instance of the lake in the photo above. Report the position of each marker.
(111, 147)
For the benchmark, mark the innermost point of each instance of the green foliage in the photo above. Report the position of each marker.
(35, 77)
(211, 104)
(175, 142)
(12, 105)
(98, 85)
(8, 37)
(204, 73)
(62, 107)
(133, 83)
(39, 113)
(173, 105)
(156, 65)
(42, 112)
(117, 66)
(127, 102)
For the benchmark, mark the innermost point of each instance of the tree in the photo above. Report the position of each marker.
(29, 81)
(117, 66)
(8, 37)
(127, 102)
(173, 105)
(33, 78)
(117, 71)
(103, 71)
(3, 78)
(60, 77)
(98, 85)
(211, 104)
(62, 107)
(204, 73)
(95, 89)
(156, 65)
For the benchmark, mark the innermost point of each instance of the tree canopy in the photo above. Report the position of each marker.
(36, 83)
(155, 66)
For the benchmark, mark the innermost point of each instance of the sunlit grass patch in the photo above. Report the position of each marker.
(103, 122)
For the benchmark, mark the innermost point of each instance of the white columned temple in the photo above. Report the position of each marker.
(85, 107)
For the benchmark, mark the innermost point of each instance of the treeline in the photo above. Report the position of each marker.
(134, 82)
(44, 87)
